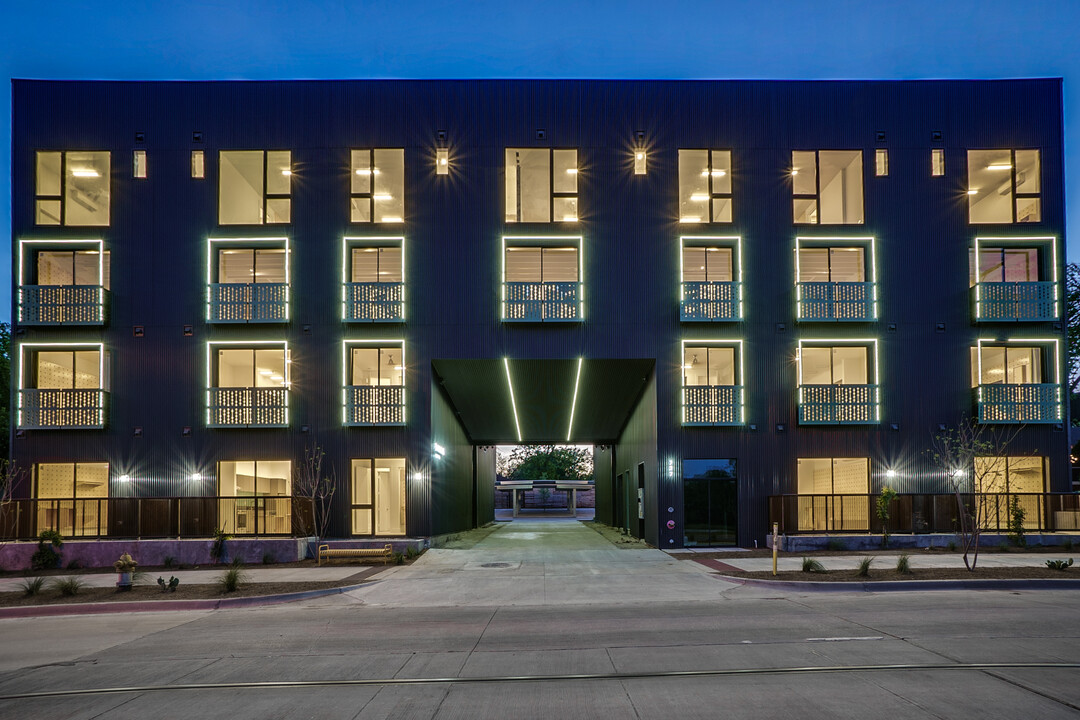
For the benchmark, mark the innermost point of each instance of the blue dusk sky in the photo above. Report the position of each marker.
(672, 39)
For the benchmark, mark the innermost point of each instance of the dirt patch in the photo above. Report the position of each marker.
(876, 552)
(146, 592)
(617, 537)
(882, 574)
(465, 540)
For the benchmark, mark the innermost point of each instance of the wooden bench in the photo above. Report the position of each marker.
(325, 551)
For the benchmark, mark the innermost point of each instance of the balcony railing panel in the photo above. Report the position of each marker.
(838, 404)
(62, 305)
(837, 301)
(159, 517)
(917, 513)
(1030, 403)
(249, 302)
(711, 301)
(713, 404)
(374, 302)
(61, 409)
(374, 405)
(542, 301)
(1016, 301)
(264, 407)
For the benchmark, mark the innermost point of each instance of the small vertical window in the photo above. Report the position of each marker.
(881, 162)
(198, 164)
(937, 162)
(139, 164)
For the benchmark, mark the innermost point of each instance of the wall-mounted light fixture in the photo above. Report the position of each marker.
(639, 161)
(196, 476)
(437, 451)
(442, 161)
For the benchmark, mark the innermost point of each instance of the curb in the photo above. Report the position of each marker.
(904, 585)
(170, 605)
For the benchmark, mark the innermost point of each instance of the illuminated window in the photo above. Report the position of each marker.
(62, 386)
(711, 290)
(377, 189)
(838, 382)
(248, 282)
(541, 185)
(1008, 365)
(198, 164)
(139, 164)
(378, 496)
(1000, 482)
(254, 187)
(712, 383)
(1004, 186)
(255, 497)
(62, 282)
(827, 187)
(835, 491)
(374, 287)
(704, 186)
(1017, 382)
(73, 498)
(881, 162)
(937, 162)
(1015, 279)
(248, 385)
(72, 188)
(541, 283)
(374, 383)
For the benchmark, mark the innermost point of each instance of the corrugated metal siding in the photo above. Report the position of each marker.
(630, 229)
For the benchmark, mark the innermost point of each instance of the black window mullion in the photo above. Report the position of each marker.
(817, 182)
(1012, 156)
(551, 199)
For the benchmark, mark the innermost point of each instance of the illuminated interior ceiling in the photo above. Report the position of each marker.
(543, 397)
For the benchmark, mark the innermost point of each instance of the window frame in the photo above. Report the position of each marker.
(214, 245)
(712, 193)
(62, 197)
(552, 194)
(369, 196)
(370, 507)
(816, 197)
(542, 242)
(738, 360)
(1050, 359)
(266, 197)
(1016, 196)
(347, 346)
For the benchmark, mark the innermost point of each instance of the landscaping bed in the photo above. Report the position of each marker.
(883, 573)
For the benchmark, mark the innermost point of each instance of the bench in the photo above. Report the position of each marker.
(325, 551)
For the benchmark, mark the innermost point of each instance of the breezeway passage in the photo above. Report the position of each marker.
(542, 562)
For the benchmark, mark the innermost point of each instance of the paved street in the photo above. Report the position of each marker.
(614, 612)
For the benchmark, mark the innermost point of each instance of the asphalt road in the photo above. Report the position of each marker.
(858, 655)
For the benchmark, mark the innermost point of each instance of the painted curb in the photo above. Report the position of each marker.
(904, 585)
(171, 605)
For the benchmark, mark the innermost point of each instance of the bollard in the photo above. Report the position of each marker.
(775, 541)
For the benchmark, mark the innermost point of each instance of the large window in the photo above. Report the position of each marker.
(62, 282)
(72, 498)
(1016, 381)
(72, 188)
(374, 383)
(255, 497)
(712, 384)
(249, 385)
(711, 287)
(1013, 365)
(827, 187)
(378, 496)
(704, 186)
(255, 187)
(377, 186)
(837, 382)
(248, 284)
(374, 288)
(822, 480)
(1004, 186)
(61, 386)
(1001, 481)
(835, 281)
(541, 185)
(1015, 279)
(541, 283)
(710, 502)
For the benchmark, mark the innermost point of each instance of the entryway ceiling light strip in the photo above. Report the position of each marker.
(513, 403)
(573, 404)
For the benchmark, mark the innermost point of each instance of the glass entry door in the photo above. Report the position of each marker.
(378, 496)
(710, 503)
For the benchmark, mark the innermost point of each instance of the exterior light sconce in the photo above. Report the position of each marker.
(418, 476)
(124, 478)
(442, 161)
(437, 451)
(639, 161)
(196, 477)
(890, 473)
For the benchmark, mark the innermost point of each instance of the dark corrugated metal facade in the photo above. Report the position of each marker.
(453, 224)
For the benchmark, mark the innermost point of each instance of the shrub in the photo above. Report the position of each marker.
(231, 580)
(32, 586)
(397, 558)
(217, 549)
(864, 567)
(412, 553)
(69, 586)
(835, 544)
(46, 557)
(1068, 544)
(268, 558)
(174, 582)
(1016, 523)
(1062, 565)
(887, 495)
(811, 565)
(168, 561)
(952, 546)
(903, 564)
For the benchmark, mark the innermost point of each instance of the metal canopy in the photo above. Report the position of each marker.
(543, 394)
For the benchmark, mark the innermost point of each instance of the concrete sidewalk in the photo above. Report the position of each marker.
(207, 577)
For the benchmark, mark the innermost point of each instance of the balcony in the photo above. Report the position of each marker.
(374, 302)
(838, 404)
(247, 407)
(711, 301)
(713, 405)
(1015, 301)
(61, 409)
(374, 405)
(249, 302)
(62, 305)
(1029, 403)
(837, 301)
(542, 302)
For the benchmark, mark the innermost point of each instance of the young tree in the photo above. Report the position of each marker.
(11, 475)
(1072, 316)
(955, 450)
(313, 491)
(5, 390)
